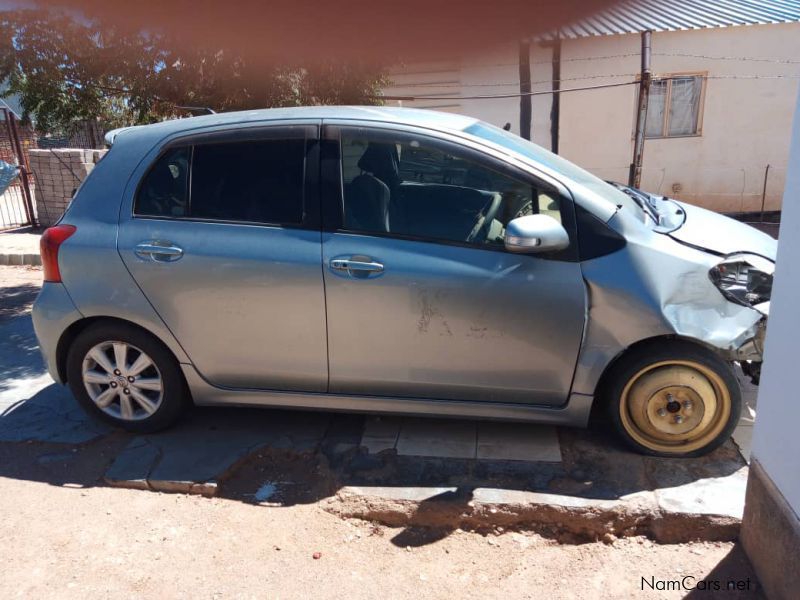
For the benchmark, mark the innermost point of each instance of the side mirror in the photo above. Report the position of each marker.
(535, 233)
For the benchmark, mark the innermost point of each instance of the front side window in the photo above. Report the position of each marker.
(673, 107)
(254, 182)
(418, 187)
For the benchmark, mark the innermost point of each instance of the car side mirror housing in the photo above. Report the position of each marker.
(535, 233)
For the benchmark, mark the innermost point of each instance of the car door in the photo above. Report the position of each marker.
(422, 298)
(222, 235)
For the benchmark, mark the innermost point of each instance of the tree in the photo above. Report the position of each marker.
(67, 70)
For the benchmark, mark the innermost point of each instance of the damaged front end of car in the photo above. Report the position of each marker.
(746, 279)
(663, 286)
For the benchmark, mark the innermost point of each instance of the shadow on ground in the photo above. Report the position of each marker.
(733, 577)
(19, 349)
(307, 456)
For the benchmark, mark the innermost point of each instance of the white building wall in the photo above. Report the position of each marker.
(745, 122)
(493, 72)
(776, 441)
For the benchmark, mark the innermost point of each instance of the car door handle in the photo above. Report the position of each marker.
(159, 251)
(346, 264)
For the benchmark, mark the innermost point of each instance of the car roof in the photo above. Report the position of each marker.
(408, 116)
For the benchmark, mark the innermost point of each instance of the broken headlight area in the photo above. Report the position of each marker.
(752, 369)
(745, 279)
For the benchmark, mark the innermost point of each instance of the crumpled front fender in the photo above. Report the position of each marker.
(657, 287)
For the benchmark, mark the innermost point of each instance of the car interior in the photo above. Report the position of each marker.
(420, 192)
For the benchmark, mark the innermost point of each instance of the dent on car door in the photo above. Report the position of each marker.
(224, 243)
(422, 299)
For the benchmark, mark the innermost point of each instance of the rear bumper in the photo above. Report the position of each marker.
(53, 312)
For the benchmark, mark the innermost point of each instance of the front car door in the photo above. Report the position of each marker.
(222, 235)
(423, 301)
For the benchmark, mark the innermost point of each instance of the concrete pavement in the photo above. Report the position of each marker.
(20, 247)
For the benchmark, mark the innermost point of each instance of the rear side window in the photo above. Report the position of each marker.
(260, 182)
(254, 181)
(164, 191)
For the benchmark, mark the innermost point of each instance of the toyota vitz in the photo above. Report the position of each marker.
(395, 261)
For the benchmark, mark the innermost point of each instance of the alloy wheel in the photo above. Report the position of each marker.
(122, 380)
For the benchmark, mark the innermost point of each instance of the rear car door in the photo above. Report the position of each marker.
(422, 298)
(222, 236)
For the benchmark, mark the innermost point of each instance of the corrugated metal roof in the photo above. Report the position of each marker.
(634, 16)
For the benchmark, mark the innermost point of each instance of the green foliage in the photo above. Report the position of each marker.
(69, 70)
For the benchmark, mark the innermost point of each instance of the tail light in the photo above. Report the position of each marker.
(52, 238)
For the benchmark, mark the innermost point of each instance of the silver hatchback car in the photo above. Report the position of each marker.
(395, 261)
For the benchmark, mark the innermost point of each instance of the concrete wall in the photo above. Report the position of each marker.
(771, 524)
(776, 438)
(745, 121)
(57, 173)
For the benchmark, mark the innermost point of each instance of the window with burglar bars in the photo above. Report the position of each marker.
(674, 106)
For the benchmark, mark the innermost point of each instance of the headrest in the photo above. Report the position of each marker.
(381, 160)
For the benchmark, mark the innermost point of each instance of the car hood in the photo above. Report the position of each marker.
(722, 235)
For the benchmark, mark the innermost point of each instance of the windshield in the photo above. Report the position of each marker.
(552, 161)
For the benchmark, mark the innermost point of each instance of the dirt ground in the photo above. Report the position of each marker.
(65, 534)
(69, 542)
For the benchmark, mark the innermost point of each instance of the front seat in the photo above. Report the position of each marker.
(368, 196)
(367, 204)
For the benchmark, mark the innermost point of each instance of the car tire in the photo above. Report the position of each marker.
(149, 392)
(673, 399)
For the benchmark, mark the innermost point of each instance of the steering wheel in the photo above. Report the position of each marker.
(485, 218)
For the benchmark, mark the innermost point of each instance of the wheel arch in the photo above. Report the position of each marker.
(75, 329)
(642, 346)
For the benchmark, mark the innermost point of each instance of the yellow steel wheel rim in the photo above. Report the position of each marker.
(675, 406)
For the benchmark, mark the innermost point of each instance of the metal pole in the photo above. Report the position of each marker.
(22, 161)
(525, 101)
(555, 106)
(635, 173)
(764, 192)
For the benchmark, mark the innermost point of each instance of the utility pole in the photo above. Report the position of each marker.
(635, 173)
(555, 106)
(525, 99)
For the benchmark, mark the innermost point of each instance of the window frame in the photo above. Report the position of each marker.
(282, 131)
(332, 180)
(669, 77)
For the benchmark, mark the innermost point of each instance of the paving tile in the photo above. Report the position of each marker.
(518, 441)
(743, 437)
(437, 438)
(37, 409)
(132, 466)
(195, 454)
(380, 433)
(711, 496)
